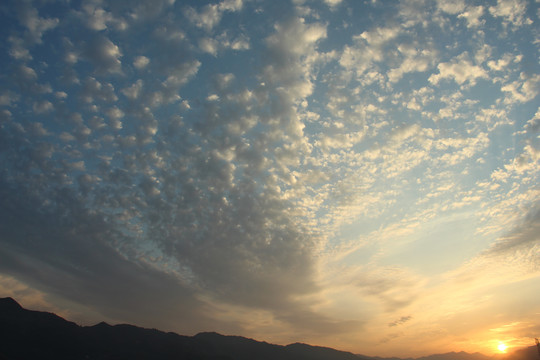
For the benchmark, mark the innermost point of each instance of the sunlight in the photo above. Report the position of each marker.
(502, 347)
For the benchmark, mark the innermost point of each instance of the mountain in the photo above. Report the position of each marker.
(455, 356)
(528, 353)
(27, 334)
(448, 356)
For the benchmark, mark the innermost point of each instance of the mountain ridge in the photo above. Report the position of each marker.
(29, 334)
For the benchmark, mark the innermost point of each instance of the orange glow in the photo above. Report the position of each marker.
(502, 347)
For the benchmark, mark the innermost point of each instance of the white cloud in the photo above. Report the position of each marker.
(27, 72)
(513, 11)
(93, 90)
(66, 137)
(461, 148)
(37, 129)
(209, 45)
(42, 107)
(340, 141)
(35, 25)
(414, 61)
(98, 19)
(8, 98)
(104, 55)
(404, 132)
(295, 37)
(140, 62)
(502, 63)
(223, 42)
(452, 7)
(290, 46)
(60, 94)
(132, 92)
(369, 48)
(460, 69)
(472, 15)
(114, 113)
(19, 50)
(224, 80)
(211, 14)
(522, 90)
(332, 3)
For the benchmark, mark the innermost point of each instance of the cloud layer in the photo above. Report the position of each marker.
(277, 170)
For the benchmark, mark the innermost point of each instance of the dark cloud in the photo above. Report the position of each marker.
(34, 24)
(102, 205)
(400, 321)
(525, 236)
(65, 250)
(103, 54)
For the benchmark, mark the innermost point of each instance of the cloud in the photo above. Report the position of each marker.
(209, 45)
(97, 18)
(503, 63)
(369, 48)
(414, 61)
(223, 42)
(400, 321)
(235, 245)
(332, 3)
(141, 62)
(525, 235)
(292, 43)
(393, 288)
(513, 257)
(522, 90)
(94, 90)
(19, 50)
(460, 69)
(472, 15)
(512, 11)
(104, 55)
(451, 8)
(211, 14)
(87, 269)
(35, 25)
(132, 92)
(42, 107)
(268, 168)
(27, 73)
(8, 98)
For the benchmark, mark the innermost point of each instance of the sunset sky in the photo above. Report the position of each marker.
(356, 174)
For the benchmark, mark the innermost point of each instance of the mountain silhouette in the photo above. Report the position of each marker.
(27, 334)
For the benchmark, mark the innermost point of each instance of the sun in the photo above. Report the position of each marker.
(502, 347)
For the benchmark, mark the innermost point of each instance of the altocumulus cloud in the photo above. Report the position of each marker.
(128, 206)
(268, 168)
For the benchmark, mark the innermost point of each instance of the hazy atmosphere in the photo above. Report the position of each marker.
(356, 174)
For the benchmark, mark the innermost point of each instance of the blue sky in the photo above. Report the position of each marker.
(355, 174)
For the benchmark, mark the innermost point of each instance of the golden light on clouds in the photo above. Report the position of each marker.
(357, 174)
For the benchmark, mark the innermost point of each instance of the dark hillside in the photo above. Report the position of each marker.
(29, 335)
(32, 335)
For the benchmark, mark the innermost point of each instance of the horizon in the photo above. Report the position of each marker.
(507, 351)
(352, 174)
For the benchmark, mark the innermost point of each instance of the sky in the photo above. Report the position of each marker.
(355, 174)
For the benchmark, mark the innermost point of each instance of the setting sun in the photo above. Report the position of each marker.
(354, 175)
